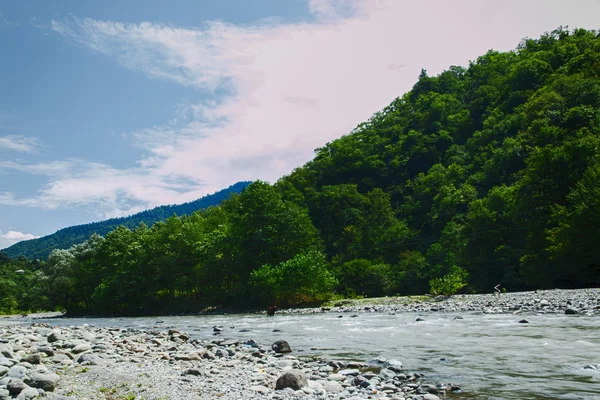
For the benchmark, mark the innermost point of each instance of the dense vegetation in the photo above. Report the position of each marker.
(482, 175)
(40, 248)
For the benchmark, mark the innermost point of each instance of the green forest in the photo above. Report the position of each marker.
(67, 237)
(479, 176)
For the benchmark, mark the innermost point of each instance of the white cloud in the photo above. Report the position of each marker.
(5, 23)
(290, 87)
(19, 143)
(11, 237)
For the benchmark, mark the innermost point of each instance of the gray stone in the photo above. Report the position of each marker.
(430, 396)
(4, 394)
(3, 370)
(281, 346)
(28, 394)
(571, 311)
(90, 359)
(293, 379)
(17, 371)
(80, 348)
(46, 350)
(6, 351)
(394, 365)
(33, 358)
(387, 374)
(192, 371)
(55, 337)
(15, 386)
(6, 362)
(46, 381)
(332, 387)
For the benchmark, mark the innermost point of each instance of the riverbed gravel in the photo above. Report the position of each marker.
(87, 362)
(555, 301)
(83, 362)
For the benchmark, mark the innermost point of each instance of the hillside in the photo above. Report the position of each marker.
(67, 237)
(479, 176)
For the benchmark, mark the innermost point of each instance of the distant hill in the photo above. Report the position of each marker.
(67, 237)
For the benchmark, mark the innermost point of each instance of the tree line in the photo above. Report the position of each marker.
(479, 176)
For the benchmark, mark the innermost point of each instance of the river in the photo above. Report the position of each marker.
(491, 356)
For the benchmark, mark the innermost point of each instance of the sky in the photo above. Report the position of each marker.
(109, 108)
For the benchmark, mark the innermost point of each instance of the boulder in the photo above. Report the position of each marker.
(46, 381)
(15, 386)
(293, 379)
(55, 337)
(28, 394)
(571, 311)
(90, 359)
(281, 346)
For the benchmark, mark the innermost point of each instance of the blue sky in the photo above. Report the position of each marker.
(109, 108)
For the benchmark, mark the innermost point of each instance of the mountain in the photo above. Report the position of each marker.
(67, 237)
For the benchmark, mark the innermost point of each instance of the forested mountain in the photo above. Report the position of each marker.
(67, 237)
(482, 175)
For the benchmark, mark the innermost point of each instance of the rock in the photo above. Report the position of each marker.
(15, 386)
(332, 387)
(46, 381)
(419, 319)
(17, 371)
(81, 348)
(6, 351)
(387, 374)
(192, 371)
(3, 370)
(523, 321)
(281, 346)
(33, 358)
(4, 394)
(45, 350)
(394, 365)
(260, 389)
(90, 359)
(55, 337)
(293, 379)
(429, 396)
(28, 394)
(571, 311)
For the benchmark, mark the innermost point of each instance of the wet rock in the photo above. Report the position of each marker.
(281, 346)
(523, 321)
(293, 379)
(571, 311)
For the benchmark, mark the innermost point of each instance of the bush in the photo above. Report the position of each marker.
(450, 283)
(364, 277)
(303, 279)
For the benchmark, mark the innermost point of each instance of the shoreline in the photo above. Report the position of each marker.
(83, 362)
(113, 363)
(548, 301)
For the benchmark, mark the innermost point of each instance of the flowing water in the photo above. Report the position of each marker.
(489, 356)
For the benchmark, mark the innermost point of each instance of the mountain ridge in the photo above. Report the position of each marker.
(76, 234)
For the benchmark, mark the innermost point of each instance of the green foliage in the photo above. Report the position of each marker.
(41, 248)
(364, 277)
(302, 279)
(481, 175)
(450, 283)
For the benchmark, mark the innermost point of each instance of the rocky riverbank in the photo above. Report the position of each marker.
(555, 301)
(84, 362)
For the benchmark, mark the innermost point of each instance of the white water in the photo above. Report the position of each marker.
(489, 356)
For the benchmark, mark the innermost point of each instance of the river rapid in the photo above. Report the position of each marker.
(491, 356)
